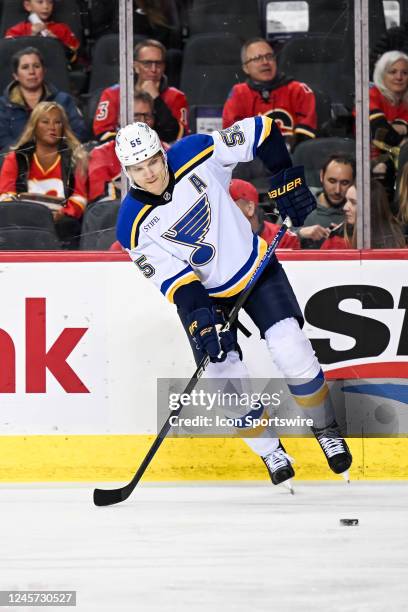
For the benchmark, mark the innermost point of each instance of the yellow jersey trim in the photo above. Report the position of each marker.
(376, 116)
(267, 121)
(300, 130)
(142, 212)
(262, 248)
(193, 161)
(184, 280)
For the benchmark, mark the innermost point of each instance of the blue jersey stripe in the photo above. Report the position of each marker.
(247, 266)
(258, 132)
(167, 283)
(186, 149)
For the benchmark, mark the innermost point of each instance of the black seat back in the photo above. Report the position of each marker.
(312, 154)
(240, 17)
(67, 12)
(50, 48)
(319, 61)
(105, 61)
(211, 66)
(99, 222)
(27, 226)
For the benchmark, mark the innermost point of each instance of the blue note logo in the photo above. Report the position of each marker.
(191, 230)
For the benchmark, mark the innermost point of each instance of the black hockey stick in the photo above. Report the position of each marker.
(107, 497)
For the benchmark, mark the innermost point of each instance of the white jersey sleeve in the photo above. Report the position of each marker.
(239, 143)
(250, 138)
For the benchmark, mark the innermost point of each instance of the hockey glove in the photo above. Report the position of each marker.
(227, 338)
(292, 196)
(202, 327)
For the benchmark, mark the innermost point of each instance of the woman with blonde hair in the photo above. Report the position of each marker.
(389, 101)
(48, 159)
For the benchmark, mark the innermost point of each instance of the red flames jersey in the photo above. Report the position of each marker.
(291, 106)
(103, 170)
(107, 113)
(381, 107)
(61, 31)
(289, 240)
(48, 182)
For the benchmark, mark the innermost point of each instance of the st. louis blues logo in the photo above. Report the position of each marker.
(191, 230)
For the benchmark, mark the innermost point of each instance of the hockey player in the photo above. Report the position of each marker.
(184, 232)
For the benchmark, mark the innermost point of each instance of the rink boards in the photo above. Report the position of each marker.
(84, 337)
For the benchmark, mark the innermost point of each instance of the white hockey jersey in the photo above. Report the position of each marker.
(194, 230)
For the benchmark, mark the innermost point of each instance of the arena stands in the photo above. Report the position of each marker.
(313, 42)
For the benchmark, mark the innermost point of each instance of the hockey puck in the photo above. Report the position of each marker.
(348, 521)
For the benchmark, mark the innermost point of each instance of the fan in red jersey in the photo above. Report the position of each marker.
(170, 104)
(389, 101)
(291, 104)
(39, 23)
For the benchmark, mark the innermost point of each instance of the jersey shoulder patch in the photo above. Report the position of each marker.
(131, 215)
(189, 152)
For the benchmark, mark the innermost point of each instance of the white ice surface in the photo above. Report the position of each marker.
(236, 548)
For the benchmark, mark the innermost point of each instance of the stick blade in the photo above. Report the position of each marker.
(108, 497)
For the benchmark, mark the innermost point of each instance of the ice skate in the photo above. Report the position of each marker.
(279, 466)
(335, 448)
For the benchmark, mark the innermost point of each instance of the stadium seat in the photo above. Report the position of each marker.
(105, 61)
(174, 61)
(97, 20)
(240, 17)
(319, 61)
(313, 153)
(211, 66)
(27, 226)
(256, 173)
(50, 48)
(98, 226)
(323, 108)
(64, 12)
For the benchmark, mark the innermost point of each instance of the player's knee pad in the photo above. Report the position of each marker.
(231, 367)
(291, 350)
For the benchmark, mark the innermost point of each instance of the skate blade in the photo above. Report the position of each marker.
(288, 485)
(346, 476)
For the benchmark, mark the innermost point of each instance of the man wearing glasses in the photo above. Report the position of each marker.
(170, 104)
(267, 91)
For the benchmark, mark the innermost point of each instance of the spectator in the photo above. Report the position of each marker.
(48, 159)
(104, 168)
(389, 101)
(402, 215)
(39, 23)
(269, 92)
(246, 197)
(170, 104)
(336, 176)
(25, 91)
(347, 237)
(386, 231)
